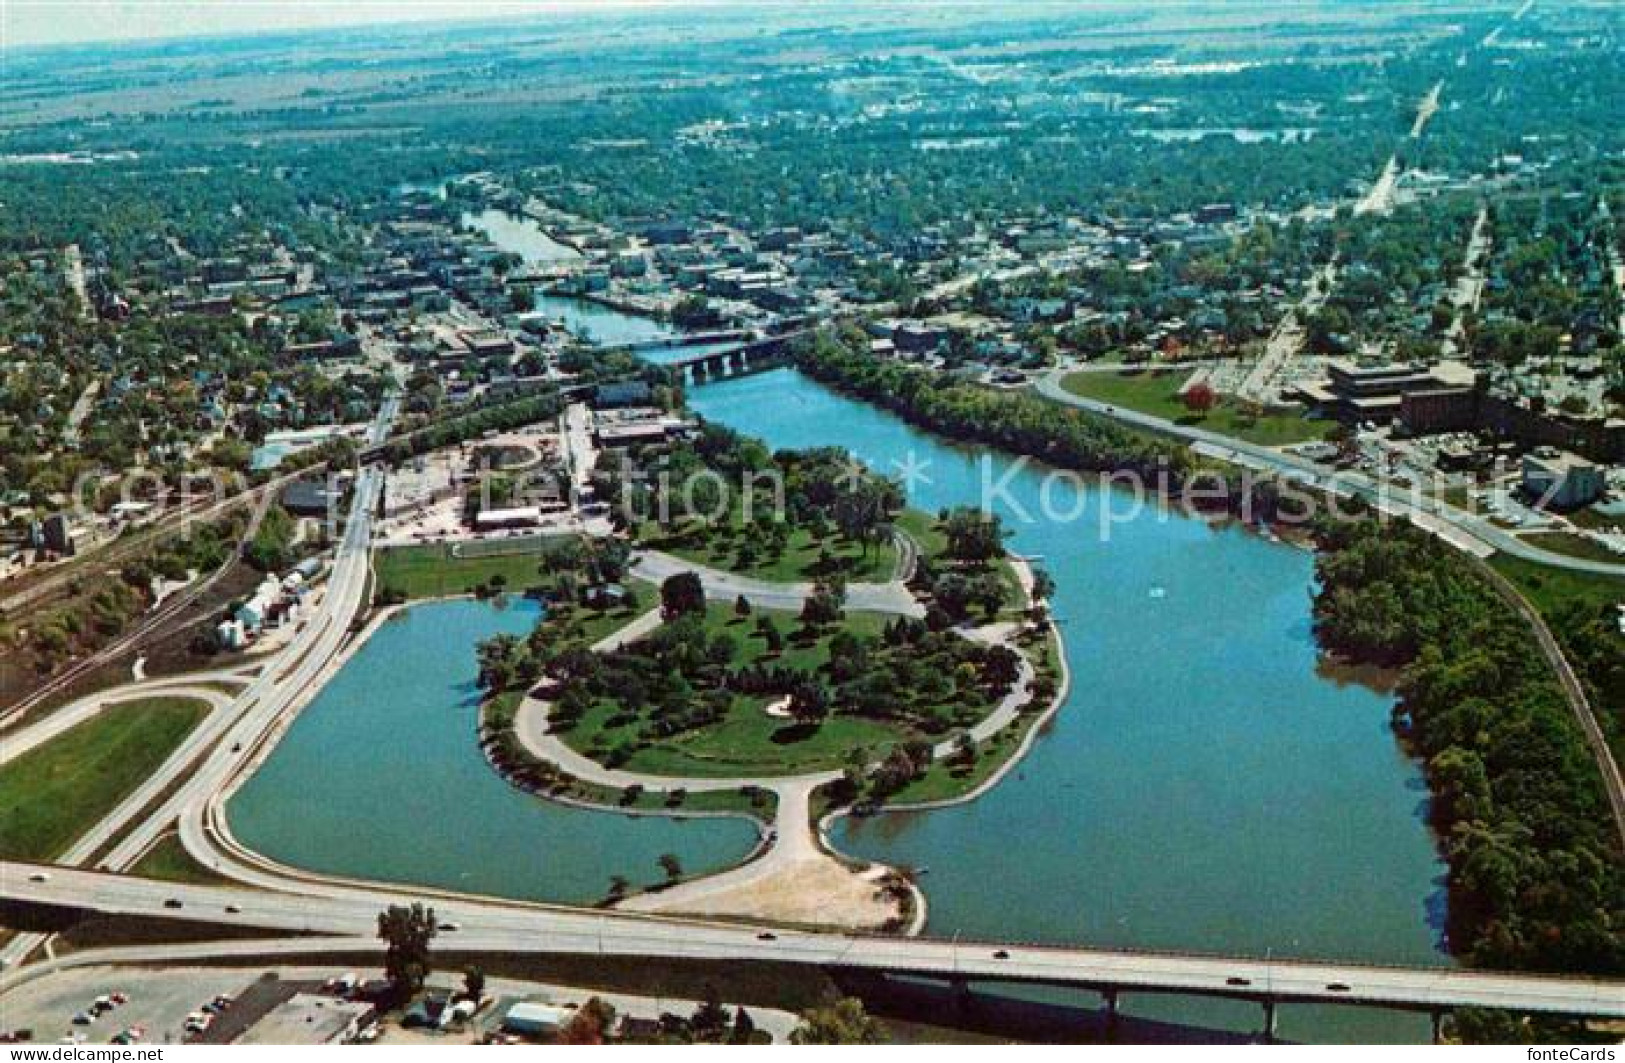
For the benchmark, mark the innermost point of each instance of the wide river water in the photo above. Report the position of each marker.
(1206, 786)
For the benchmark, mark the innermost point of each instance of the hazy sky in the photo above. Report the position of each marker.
(28, 22)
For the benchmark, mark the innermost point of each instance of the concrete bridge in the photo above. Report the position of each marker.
(690, 339)
(756, 357)
(345, 912)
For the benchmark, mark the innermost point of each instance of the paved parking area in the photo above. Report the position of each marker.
(160, 1000)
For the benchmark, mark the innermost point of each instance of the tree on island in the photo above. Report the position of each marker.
(741, 607)
(771, 636)
(681, 594)
(406, 933)
(809, 702)
(973, 535)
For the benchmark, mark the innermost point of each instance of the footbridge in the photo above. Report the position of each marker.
(343, 912)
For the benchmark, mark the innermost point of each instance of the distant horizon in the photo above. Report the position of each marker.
(38, 24)
(45, 24)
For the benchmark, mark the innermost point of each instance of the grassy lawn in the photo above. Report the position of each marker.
(922, 528)
(762, 804)
(804, 557)
(169, 860)
(1571, 545)
(1552, 589)
(1593, 519)
(747, 740)
(52, 795)
(1155, 391)
(431, 571)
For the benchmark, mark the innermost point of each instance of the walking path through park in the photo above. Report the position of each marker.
(720, 585)
(796, 878)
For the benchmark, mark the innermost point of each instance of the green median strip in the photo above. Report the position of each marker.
(52, 795)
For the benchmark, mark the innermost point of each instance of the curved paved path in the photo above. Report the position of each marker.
(720, 585)
(796, 878)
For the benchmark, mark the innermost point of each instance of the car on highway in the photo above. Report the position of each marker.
(448, 928)
(39, 876)
(232, 909)
(1337, 987)
(1238, 980)
(173, 902)
(767, 935)
(1001, 954)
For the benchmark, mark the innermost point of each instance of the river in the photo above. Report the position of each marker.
(521, 235)
(381, 777)
(1205, 787)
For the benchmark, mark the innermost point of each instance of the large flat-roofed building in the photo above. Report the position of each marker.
(1561, 480)
(1377, 393)
(310, 1019)
(518, 517)
(1439, 410)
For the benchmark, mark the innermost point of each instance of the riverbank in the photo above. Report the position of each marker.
(1467, 903)
(1233, 759)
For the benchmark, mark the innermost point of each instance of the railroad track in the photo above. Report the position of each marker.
(145, 628)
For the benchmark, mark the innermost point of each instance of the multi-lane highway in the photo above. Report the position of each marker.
(519, 928)
(230, 734)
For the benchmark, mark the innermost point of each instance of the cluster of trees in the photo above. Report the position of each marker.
(272, 548)
(1395, 272)
(1536, 879)
(1550, 285)
(682, 677)
(963, 577)
(725, 493)
(958, 410)
(711, 1023)
(1026, 424)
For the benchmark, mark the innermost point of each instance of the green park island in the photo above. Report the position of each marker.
(806, 648)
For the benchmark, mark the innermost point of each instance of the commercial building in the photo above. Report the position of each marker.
(1560, 480)
(1377, 393)
(310, 1019)
(518, 517)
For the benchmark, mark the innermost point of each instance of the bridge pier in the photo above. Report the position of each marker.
(1437, 1020)
(1109, 998)
(1269, 1022)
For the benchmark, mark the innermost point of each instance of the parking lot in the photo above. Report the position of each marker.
(160, 1001)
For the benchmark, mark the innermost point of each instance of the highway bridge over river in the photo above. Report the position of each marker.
(346, 913)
